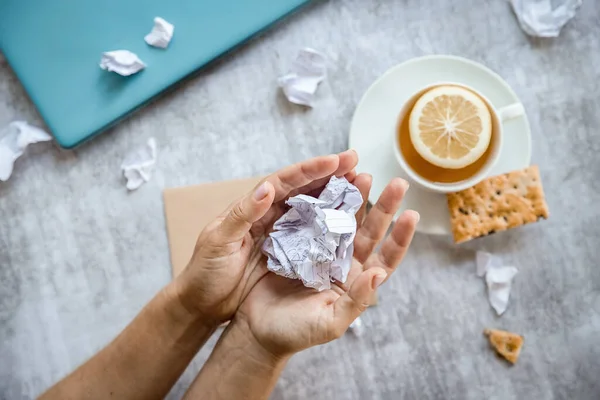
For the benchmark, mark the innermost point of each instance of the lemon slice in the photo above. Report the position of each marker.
(450, 127)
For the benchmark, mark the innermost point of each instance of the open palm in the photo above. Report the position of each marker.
(226, 262)
(286, 317)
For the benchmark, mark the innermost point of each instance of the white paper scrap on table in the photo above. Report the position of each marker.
(138, 165)
(539, 17)
(14, 139)
(313, 241)
(357, 327)
(498, 280)
(308, 71)
(122, 62)
(483, 261)
(161, 33)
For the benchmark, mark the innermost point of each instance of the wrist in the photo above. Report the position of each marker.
(241, 336)
(239, 367)
(175, 295)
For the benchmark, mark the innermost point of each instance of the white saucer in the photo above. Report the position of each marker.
(374, 128)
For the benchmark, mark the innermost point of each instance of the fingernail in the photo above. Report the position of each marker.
(378, 280)
(416, 215)
(261, 192)
(399, 181)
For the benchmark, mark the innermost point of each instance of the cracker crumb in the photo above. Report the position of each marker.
(507, 344)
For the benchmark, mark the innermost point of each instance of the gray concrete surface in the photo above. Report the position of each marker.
(79, 256)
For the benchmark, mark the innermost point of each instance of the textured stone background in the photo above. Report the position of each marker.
(79, 256)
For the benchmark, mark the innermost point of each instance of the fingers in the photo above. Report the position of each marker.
(245, 212)
(298, 175)
(347, 162)
(363, 182)
(305, 177)
(350, 176)
(379, 218)
(395, 246)
(351, 304)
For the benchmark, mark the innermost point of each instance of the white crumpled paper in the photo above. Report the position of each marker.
(483, 262)
(122, 62)
(498, 280)
(313, 241)
(138, 165)
(14, 139)
(308, 71)
(357, 327)
(540, 18)
(161, 33)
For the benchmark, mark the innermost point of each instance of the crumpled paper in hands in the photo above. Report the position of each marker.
(498, 280)
(14, 139)
(308, 71)
(539, 18)
(313, 241)
(122, 62)
(138, 165)
(161, 34)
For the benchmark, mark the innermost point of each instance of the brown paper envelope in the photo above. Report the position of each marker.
(189, 209)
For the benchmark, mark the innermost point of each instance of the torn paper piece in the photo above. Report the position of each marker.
(540, 18)
(499, 282)
(138, 165)
(313, 241)
(122, 62)
(483, 261)
(308, 71)
(161, 33)
(14, 139)
(357, 327)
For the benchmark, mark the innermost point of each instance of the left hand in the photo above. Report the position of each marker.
(226, 262)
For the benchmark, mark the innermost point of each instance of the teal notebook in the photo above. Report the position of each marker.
(55, 47)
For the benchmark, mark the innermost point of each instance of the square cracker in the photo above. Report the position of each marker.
(497, 204)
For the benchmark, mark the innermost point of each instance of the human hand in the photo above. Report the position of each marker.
(284, 316)
(226, 262)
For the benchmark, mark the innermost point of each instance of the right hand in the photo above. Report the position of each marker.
(284, 316)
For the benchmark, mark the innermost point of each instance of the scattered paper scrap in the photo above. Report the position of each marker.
(308, 71)
(313, 241)
(122, 62)
(357, 327)
(483, 261)
(498, 280)
(507, 344)
(539, 18)
(14, 139)
(138, 165)
(161, 33)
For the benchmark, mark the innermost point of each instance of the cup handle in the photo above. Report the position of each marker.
(511, 112)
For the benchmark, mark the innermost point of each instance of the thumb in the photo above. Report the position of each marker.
(351, 304)
(252, 207)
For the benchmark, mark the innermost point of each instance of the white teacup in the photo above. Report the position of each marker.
(499, 116)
